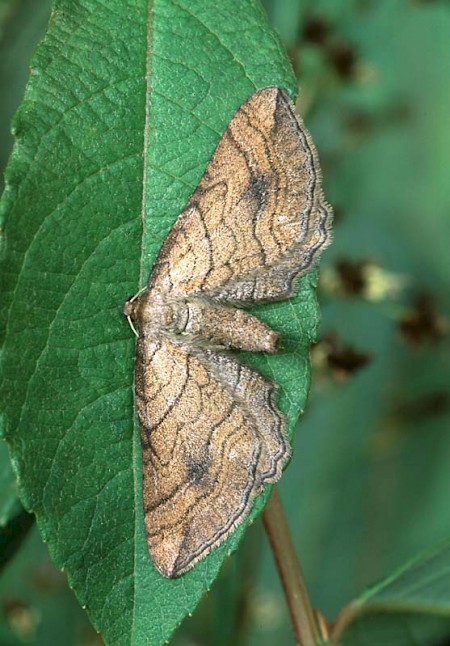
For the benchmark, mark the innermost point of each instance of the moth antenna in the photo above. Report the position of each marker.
(132, 325)
(141, 291)
(131, 300)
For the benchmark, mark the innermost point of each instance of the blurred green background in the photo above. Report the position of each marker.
(369, 484)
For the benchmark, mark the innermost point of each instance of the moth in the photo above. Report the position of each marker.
(212, 434)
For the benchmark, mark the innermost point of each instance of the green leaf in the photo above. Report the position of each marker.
(410, 607)
(126, 103)
(9, 503)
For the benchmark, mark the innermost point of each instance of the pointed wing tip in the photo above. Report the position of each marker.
(176, 568)
(168, 569)
(271, 94)
(170, 557)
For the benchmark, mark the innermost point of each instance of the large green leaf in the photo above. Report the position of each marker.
(126, 103)
(411, 606)
(9, 503)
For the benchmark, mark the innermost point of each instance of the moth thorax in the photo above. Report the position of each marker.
(151, 311)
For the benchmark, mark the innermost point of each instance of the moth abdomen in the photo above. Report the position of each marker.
(228, 327)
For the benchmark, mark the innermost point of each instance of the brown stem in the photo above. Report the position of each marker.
(302, 615)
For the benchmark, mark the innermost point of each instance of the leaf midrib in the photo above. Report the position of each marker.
(146, 134)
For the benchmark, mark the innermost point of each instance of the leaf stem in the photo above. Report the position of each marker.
(302, 614)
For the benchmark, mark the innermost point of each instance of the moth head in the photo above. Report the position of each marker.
(132, 305)
(149, 310)
(129, 308)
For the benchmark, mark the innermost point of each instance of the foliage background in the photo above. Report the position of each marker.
(369, 485)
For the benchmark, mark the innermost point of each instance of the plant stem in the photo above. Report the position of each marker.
(302, 615)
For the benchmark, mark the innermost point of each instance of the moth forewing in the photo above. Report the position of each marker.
(212, 434)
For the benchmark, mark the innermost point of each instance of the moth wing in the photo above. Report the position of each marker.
(211, 437)
(257, 219)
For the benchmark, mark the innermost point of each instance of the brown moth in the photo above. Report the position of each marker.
(211, 432)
